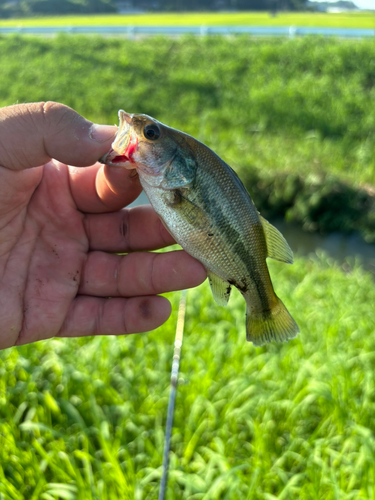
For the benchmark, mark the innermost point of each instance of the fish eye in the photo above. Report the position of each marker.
(152, 132)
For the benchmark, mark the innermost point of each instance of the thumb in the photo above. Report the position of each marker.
(31, 134)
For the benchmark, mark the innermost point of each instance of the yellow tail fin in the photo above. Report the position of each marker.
(276, 324)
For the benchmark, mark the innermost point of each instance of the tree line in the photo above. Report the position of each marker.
(21, 8)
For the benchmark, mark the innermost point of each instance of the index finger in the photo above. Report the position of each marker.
(101, 188)
(127, 230)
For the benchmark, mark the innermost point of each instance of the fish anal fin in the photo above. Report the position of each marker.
(276, 325)
(220, 289)
(277, 246)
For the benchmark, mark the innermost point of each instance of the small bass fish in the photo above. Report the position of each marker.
(208, 211)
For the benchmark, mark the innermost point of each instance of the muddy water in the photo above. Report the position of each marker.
(337, 245)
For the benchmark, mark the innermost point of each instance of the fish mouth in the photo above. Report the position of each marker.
(125, 159)
(124, 146)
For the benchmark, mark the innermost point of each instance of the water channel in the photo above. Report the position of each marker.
(337, 245)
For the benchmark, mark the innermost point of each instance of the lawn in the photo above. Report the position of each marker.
(302, 19)
(84, 419)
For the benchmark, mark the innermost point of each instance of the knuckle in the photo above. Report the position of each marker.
(153, 273)
(57, 117)
(124, 228)
(51, 107)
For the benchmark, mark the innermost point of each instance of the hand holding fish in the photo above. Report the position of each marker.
(59, 223)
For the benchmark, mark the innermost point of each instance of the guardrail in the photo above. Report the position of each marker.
(134, 31)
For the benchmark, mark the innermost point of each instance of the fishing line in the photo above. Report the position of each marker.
(172, 395)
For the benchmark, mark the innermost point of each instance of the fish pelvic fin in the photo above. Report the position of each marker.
(276, 324)
(220, 289)
(277, 246)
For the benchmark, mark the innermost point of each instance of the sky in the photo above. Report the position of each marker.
(362, 4)
(365, 4)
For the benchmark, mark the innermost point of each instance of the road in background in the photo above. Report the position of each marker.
(142, 31)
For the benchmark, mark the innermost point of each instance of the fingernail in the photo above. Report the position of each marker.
(102, 133)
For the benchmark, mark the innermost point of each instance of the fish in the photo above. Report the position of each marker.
(208, 211)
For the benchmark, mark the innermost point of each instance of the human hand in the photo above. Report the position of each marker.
(57, 225)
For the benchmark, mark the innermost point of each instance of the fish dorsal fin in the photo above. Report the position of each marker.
(277, 246)
(220, 289)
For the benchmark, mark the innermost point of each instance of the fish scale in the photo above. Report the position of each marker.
(204, 205)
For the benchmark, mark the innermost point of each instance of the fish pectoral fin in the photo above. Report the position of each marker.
(277, 246)
(220, 289)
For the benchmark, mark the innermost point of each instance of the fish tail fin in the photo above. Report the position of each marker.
(277, 324)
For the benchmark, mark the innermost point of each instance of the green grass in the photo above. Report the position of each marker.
(84, 419)
(301, 105)
(270, 108)
(344, 20)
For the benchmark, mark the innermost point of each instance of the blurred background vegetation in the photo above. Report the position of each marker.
(11, 8)
(84, 419)
(294, 117)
